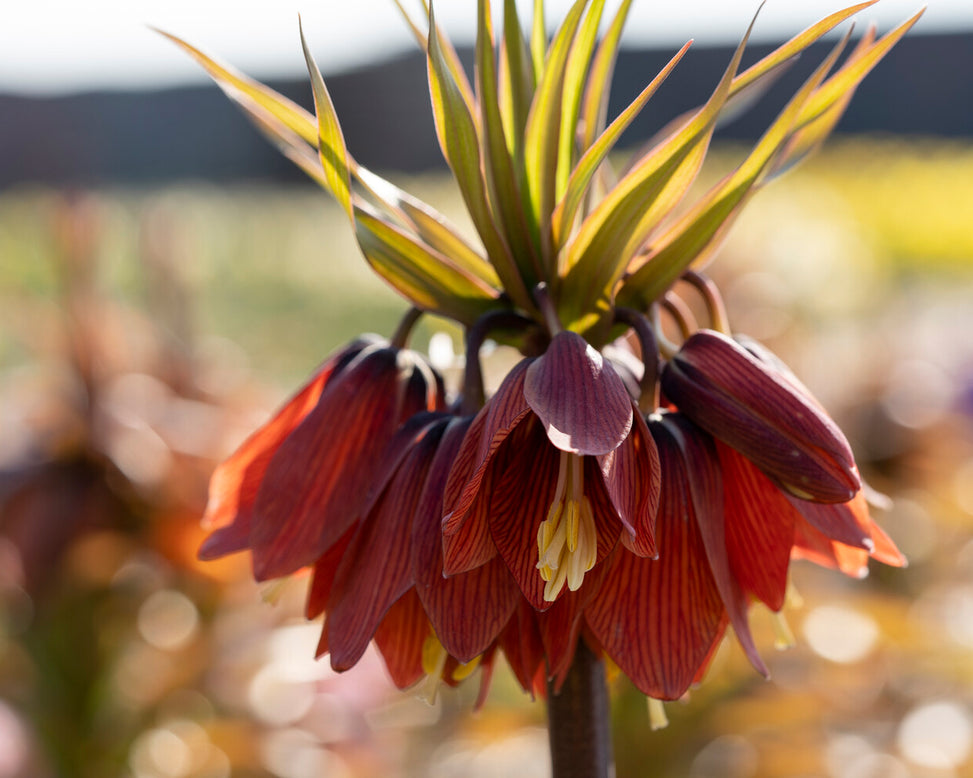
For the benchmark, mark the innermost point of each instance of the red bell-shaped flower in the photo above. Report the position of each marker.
(295, 486)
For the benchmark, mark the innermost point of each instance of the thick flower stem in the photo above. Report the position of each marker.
(579, 723)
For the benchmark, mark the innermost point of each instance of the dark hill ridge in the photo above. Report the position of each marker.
(921, 88)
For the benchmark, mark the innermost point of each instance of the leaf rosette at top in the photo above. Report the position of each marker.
(528, 142)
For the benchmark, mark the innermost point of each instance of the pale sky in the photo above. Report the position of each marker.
(54, 46)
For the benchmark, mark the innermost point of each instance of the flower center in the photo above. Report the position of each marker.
(567, 541)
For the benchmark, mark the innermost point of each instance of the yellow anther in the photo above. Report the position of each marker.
(464, 671)
(433, 662)
(567, 540)
(434, 659)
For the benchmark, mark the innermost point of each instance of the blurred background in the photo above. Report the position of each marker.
(166, 280)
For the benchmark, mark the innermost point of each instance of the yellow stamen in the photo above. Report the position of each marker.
(567, 540)
(273, 591)
(783, 637)
(792, 597)
(433, 662)
(464, 671)
(657, 715)
(434, 658)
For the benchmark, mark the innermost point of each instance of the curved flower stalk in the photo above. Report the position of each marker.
(618, 491)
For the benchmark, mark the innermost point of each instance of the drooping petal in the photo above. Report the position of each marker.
(520, 501)
(377, 566)
(814, 546)
(658, 619)
(498, 418)
(467, 611)
(688, 449)
(234, 484)
(465, 465)
(632, 477)
(521, 644)
(318, 479)
(528, 472)
(560, 625)
(323, 574)
(580, 399)
(468, 544)
(400, 637)
(465, 531)
(759, 528)
(843, 522)
(749, 405)
(885, 550)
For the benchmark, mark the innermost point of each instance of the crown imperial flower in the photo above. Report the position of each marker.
(578, 511)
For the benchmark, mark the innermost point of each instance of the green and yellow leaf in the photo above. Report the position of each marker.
(459, 140)
(502, 184)
(595, 258)
(696, 234)
(428, 279)
(331, 143)
(594, 111)
(543, 131)
(567, 209)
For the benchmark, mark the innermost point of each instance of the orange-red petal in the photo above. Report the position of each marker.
(318, 479)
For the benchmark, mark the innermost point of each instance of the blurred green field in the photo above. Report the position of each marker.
(276, 270)
(143, 333)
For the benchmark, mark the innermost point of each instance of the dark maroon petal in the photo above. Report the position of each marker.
(323, 574)
(467, 611)
(764, 414)
(632, 477)
(400, 637)
(528, 467)
(521, 644)
(377, 567)
(498, 418)
(234, 484)
(691, 459)
(560, 625)
(466, 533)
(759, 528)
(579, 398)
(320, 476)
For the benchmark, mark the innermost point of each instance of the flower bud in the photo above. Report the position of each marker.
(754, 406)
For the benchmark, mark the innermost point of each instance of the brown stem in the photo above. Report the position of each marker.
(711, 296)
(579, 724)
(649, 344)
(473, 395)
(404, 330)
